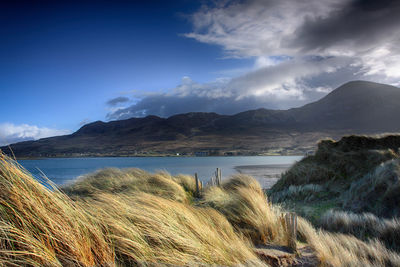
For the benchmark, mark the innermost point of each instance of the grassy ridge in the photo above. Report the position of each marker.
(131, 217)
(351, 186)
(357, 173)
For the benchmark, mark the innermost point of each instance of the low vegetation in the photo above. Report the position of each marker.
(364, 226)
(335, 249)
(352, 187)
(112, 222)
(41, 226)
(129, 181)
(357, 173)
(133, 218)
(244, 204)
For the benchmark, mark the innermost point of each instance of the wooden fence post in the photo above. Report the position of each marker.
(218, 177)
(291, 226)
(197, 185)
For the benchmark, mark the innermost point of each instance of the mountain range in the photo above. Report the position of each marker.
(357, 107)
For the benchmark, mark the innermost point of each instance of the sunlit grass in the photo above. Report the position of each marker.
(131, 217)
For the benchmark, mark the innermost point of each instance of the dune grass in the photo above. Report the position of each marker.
(364, 226)
(134, 218)
(112, 222)
(344, 188)
(335, 249)
(149, 229)
(377, 191)
(41, 226)
(363, 176)
(129, 181)
(242, 201)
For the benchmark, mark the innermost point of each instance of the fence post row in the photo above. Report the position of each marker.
(215, 180)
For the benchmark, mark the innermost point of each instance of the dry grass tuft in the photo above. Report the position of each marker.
(244, 204)
(41, 226)
(344, 250)
(364, 226)
(148, 229)
(117, 219)
(119, 222)
(129, 181)
(187, 182)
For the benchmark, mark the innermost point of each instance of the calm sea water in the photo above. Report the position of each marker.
(63, 170)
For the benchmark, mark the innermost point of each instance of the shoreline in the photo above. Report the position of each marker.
(163, 156)
(267, 175)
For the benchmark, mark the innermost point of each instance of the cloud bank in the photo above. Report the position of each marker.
(118, 100)
(11, 133)
(301, 51)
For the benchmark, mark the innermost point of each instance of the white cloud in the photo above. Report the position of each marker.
(257, 27)
(302, 50)
(366, 31)
(11, 133)
(280, 86)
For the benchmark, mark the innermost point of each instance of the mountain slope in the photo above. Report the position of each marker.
(355, 107)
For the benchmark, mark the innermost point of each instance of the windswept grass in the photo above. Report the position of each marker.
(116, 219)
(244, 204)
(356, 174)
(40, 226)
(360, 177)
(130, 181)
(149, 229)
(364, 226)
(112, 222)
(382, 185)
(345, 250)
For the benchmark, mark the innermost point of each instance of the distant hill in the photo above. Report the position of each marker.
(355, 107)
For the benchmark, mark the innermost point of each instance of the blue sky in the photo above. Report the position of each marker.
(61, 62)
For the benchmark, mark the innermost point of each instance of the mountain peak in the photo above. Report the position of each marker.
(355, 107)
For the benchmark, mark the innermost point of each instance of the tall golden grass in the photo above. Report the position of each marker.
(345, 250)
(242, 201)
(42, 226)
(149, 229)
(130, 217)
(118, 221)
(128, 181)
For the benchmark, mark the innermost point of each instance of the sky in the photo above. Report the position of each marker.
(67, 63)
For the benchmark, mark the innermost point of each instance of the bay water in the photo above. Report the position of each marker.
(65, 170)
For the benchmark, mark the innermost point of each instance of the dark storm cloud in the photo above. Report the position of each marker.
(165, 106)
(118, 100)
(302, 49)
(276, 87)
(358, 25)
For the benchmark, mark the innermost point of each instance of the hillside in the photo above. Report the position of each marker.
(355, 107)
(349, 186)
(357, 173)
